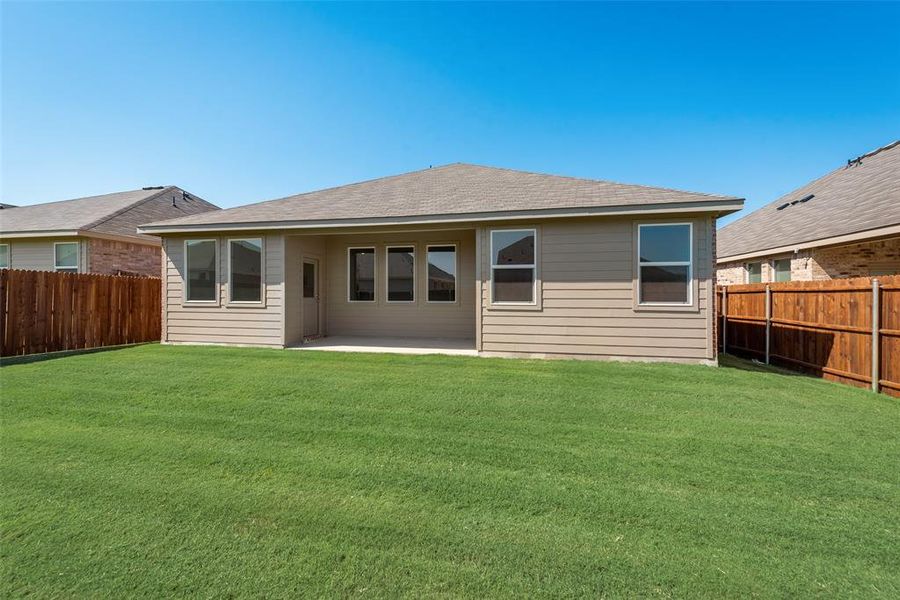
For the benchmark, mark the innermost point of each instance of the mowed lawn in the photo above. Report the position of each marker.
(164, 471)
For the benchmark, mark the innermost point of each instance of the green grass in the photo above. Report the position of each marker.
(174, 471)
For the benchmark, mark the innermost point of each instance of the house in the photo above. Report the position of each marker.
(845, 224)
(97, 234)
(495, 261)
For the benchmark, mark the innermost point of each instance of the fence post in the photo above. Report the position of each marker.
(724, 319)
(768, 320)
(876, 342)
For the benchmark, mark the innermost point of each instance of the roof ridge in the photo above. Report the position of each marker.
(874, 152)
(125, 209)
(592, 180)
(781, 199)
(77, 199)
(345, 185)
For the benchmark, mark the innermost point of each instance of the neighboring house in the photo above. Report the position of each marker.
(97, 234)
(846, 224)
(505, 262)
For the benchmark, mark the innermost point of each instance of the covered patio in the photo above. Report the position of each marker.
(386, 290)
(391, 345)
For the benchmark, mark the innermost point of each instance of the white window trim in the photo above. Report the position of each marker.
(455, 272)
(387, 274)
(67, 269)
(533, 266)
(262, 273)
(747, 270)
(9, 256)
(676, 263)
(374, 299)
(214, 301)
(774, 267)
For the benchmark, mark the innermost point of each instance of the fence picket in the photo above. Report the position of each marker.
(844, 330)
(44, 311)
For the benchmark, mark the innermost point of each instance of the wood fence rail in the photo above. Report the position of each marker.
(44, 311)
(845, 330)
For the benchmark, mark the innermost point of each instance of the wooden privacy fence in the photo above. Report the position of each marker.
(845, 330)
(43, 311)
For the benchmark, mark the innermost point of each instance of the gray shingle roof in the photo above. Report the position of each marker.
(456, 189)
(108, 213)
(854, 198)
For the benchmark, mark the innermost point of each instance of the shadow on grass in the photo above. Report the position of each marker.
(8, 361)
(729, 361)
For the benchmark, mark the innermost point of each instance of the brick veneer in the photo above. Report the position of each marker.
(121, 258)
(837, 262)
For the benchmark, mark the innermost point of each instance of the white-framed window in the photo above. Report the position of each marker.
(361, 274)
(665, 263)
(754, 272)
(200, 260)
(65, 257)
(401, 273)
(782, 269)
(4, 256)
(245, 270)
(513, 266)
(441, 265)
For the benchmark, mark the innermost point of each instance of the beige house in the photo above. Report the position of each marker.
(483, 260)
(97, 234)
(845, 224)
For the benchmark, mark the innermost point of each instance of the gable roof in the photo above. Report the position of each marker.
(107, 214)
(863, 196)
(452, 192)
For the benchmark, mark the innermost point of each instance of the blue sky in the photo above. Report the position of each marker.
(241, 103)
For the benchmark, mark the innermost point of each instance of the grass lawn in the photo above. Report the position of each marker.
(173, 471)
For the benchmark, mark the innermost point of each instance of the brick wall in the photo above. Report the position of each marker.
(859, 260)
(121, 258)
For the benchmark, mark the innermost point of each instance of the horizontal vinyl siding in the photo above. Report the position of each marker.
(587, 308)
(37, 254)
(223, 324)
(418, 320)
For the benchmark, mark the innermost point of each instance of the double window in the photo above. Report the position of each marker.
(65, 257)
(513, 266)
(665, 263)
(4, 256)
(401, 274)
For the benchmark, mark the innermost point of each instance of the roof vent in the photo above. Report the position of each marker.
(793, 202)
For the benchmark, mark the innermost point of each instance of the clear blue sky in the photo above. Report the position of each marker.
(246, 102)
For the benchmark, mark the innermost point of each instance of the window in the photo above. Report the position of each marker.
(309, 280)
(754, 272)
(442, 273)
(401, 274)
(65, 256)
(4, 256)
(361, 270)
(782, 269)
(664, 263)
(200, 258)
(245, 270)
(513, 266)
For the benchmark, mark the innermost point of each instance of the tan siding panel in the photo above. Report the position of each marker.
(252, 325)
(586, 270)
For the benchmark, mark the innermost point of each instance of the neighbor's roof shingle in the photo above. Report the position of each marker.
(851, 199)
(456, 189)
(109, 213)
